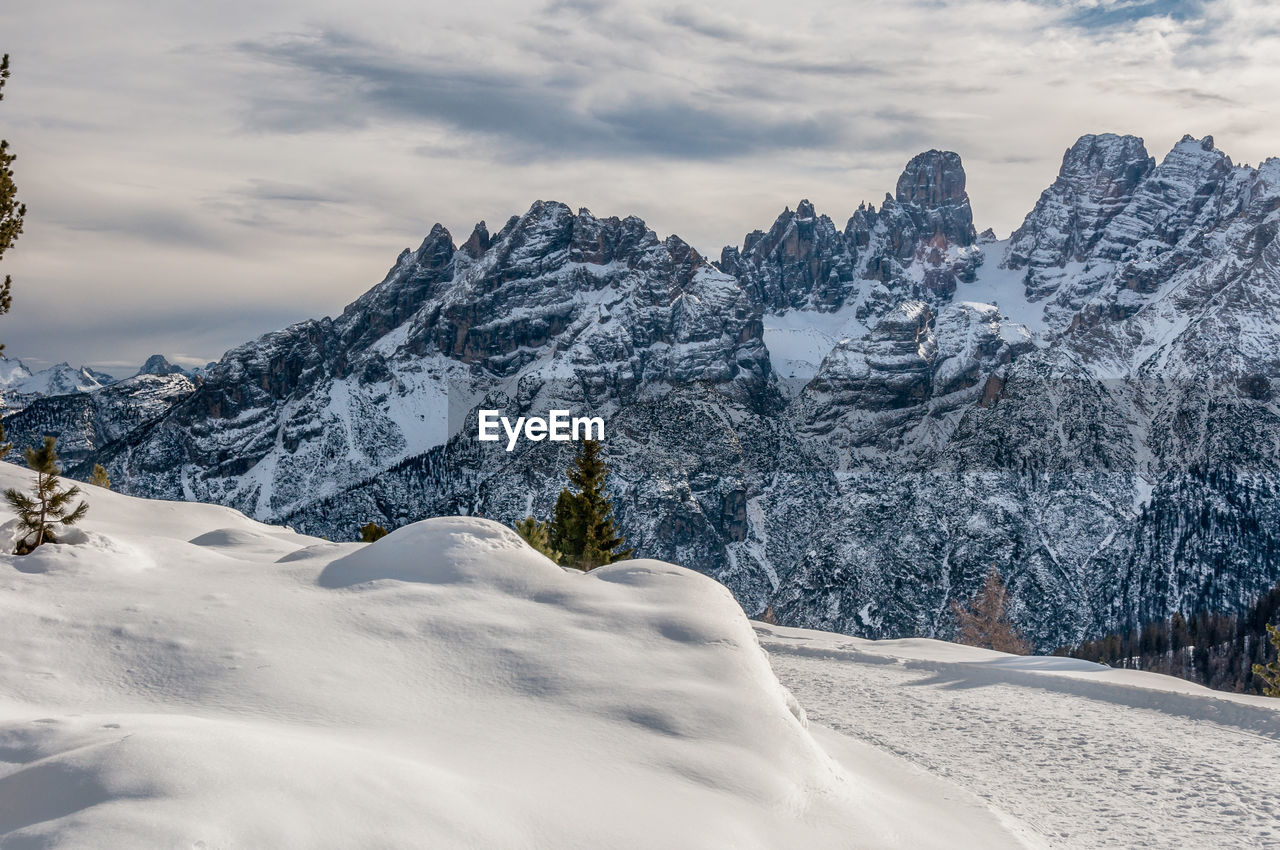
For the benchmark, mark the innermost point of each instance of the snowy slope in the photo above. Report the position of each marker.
(1087, 756)
(185, 676)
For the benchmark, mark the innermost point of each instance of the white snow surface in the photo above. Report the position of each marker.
(184, 676)
(1003, 288)
(1083, 755)
(799, 340)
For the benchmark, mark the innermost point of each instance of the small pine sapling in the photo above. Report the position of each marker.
(49, 507)
(538, 535)
(99, 477)
(371, 531)
(583, 528)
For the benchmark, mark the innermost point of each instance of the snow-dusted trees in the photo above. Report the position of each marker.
(49, 507)
(1218, 649)
(985, 622)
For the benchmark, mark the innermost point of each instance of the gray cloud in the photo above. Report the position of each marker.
(271, 190)
(149, 224)
(536, 116)
(699, 23)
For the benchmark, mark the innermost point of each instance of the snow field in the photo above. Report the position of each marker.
(189, 677)
(1082, 755)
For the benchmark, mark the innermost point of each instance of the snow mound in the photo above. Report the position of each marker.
(249, 543)
(446, 686)
(75, 552)
(325, 550)
(446, 550)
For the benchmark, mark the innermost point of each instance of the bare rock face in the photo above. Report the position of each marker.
(916, 365)
(931, 191)
(802, 263)
(1096, 182)
(888, 369)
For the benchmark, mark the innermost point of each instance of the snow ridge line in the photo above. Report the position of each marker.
(1207, 707)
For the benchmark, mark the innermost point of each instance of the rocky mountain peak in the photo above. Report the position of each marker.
(932, 179)
(436, 249)
(1097, 179)
(1189, 189)
(802, 262)
(931, 190)
(157, 364)
(477, 243)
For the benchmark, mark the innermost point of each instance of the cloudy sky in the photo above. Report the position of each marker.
(199, 173)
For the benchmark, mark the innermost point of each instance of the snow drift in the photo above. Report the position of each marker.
(185, 676)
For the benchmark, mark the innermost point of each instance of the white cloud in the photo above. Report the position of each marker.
(222, 168)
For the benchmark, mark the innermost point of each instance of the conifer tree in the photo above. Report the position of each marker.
(985, 622)
(538, 535)
(563, 534)
(371, 531)
(1269, 675)
(99, 477)
(5, 448)
(49, 507)
(11, 211)
(583, 529)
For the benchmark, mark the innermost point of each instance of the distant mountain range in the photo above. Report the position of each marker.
(849, 425)
(19, 385)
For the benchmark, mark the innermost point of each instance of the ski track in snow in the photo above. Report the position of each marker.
(1079, 768)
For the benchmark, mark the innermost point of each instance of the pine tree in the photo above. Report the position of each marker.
(563, 533)
(583, 529)
(1269, 675)
(99, 477)
(371, 531)
(11, 212)
(38, 517)
(985, 622)
(538, 535)
(5, 448)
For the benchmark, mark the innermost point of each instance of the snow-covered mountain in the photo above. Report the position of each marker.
(19, 385)
(89, 421)
(850, 425)
(179, 675)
